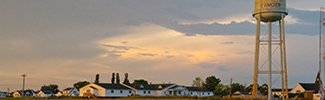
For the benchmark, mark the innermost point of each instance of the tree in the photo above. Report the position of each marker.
(51, 88)
(221, 90)
(80, 84)
(197, 82)
(113, 78)
(237, 87)
(126, 80)
(117, 78)
(140, 81)
(263, 89)
(211, 82)
(97, 79)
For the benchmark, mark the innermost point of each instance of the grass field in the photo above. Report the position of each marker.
(130, 98)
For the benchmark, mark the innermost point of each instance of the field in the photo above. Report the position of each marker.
(144, 98)
(129, 98)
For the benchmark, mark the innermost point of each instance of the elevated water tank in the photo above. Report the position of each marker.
(270, 10)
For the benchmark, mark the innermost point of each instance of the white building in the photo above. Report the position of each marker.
(189, 91)
(105, 90)
(307, 88)
(3, 94)
(70, 92)
(121, 90)
(152, 89)
(45, 94)
(29, 93)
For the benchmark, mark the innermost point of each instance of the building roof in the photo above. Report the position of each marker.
(308, 86)
(112, 86)
(68, 89)
(151, 86)
(279, 89)
(196, 88)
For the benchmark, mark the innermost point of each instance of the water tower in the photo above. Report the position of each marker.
(270, 12)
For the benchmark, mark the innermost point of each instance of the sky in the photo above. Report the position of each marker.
(66, 41)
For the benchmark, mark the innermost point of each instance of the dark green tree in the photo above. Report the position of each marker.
(97, 79)
(113, 78)
(197, 82)
(221, 90)
(263, 89)
(80, 84)
(117, 78)
(126, 80)
(140, 81)
(237, 87)
(51, 88)
(211, 82)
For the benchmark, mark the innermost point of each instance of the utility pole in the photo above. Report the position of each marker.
(230, 90)
(24, 76)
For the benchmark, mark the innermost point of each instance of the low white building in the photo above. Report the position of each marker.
(152, 89)
(307, 88)
(189, 91)
(71, 92)
(28, 93)
(105, 90)
(45, 94)
(3, 94)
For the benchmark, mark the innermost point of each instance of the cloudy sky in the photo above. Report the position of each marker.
(65, 41)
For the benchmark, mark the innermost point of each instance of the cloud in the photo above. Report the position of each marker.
(162, 38)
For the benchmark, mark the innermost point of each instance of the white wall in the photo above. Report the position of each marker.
(118, 93)
(148, 92)
(297, 89)
(98, 91)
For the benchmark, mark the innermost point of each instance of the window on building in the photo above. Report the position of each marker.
(121, 91)
(112, 91)
(149, 92)
(144, 92)
(191, 93)
(209, 93)
(130, 92)
(179, 92)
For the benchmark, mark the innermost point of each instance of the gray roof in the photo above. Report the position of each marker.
(190, 88)
(308, 86)
(196, 89)
(113, 86)
(151, 86)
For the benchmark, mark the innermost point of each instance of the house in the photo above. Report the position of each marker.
(200, 92)
(70, 92)
(58, 94)
(45, 93)
(152, 89)
(307, 88)
(3, 94)
(278, 92)
(105, 90)
(19, 93)
(189, 91)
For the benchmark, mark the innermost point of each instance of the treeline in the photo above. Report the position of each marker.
(214, 84)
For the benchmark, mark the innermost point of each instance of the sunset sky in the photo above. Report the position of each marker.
(66, 41)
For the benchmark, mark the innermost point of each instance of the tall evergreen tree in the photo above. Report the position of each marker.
(97, 79)
(126, 80)
(113, 78)
(117, 78)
